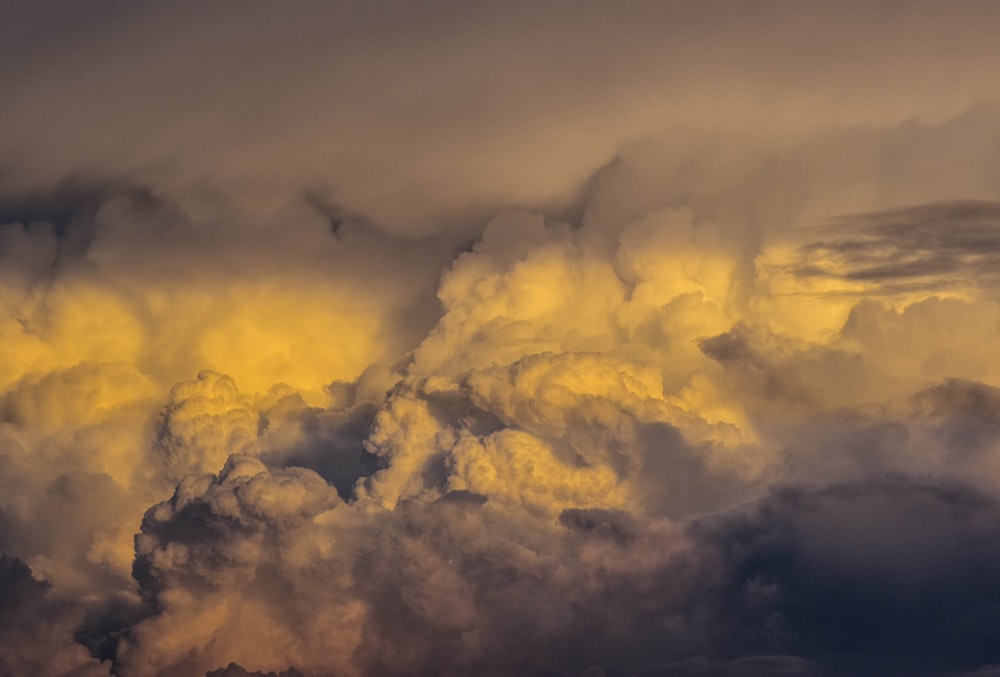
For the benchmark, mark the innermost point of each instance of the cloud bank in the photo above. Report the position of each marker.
(477, 339)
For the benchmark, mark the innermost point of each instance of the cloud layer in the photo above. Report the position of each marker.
(472, 339)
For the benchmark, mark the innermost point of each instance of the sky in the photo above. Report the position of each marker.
(562, 339)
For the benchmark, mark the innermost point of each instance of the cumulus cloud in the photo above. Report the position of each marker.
(470, 339)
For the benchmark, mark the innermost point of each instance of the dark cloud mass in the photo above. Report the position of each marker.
(588, 339)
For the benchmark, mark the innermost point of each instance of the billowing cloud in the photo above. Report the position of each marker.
(470, 339)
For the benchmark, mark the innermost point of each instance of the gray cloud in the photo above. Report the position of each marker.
(928, 247)
(36, 628)
(883, 577)
(372, 108)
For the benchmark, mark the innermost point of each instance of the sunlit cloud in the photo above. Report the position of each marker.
(481, 339)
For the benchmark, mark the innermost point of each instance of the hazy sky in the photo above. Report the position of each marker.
(595, 339)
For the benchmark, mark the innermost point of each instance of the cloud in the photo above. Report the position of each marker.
(872, 577)
(878, 577)
(36, 631)
(908, 249)
(397, 126)
(234, 670)
(462, 339)
(426, 587)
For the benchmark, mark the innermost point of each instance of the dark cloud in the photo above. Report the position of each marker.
(784, 666)
(235, 670)
(36, 628)
(887, 577)
(880, 577)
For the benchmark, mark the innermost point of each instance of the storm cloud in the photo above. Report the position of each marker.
(469, 338)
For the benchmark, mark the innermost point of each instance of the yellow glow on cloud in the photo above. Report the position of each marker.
(518, 469)
(303, 336)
